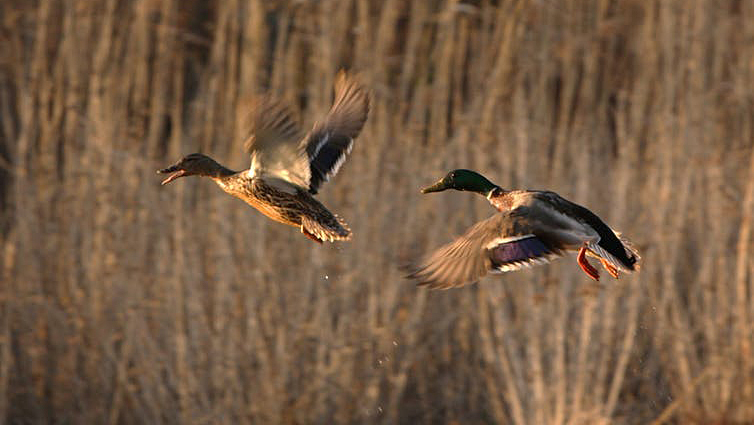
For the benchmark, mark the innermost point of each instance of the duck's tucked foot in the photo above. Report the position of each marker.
(610, 268)
(310, 235)
(584, 263)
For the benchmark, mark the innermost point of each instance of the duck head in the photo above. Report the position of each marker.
(194, 164)
(463, 180)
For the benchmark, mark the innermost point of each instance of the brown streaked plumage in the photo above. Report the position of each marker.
(531, 227)
(286, 168)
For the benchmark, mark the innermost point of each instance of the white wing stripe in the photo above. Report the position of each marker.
(339, 162)
(518, 265)
(321, 143)
(499, 241)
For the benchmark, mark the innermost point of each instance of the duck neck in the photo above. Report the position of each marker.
(498, 199)
(475, 182)
(227, 179)
(221, 172)
(494, 192)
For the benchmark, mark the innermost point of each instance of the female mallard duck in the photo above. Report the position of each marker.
(287, 169)
(532, 227)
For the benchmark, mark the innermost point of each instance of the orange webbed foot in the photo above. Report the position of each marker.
(585, 266)
(610, 268)
(310, 235)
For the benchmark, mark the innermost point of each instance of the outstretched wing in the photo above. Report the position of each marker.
(504, 242)
(331, 139)
(273, 141)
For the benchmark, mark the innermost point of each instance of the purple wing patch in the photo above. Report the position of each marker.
(519, 250)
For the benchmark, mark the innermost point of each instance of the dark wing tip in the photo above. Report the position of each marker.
(409, 269)
(414, 271)
(351, 104)
(424, 278)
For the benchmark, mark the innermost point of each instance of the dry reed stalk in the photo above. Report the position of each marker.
(744, 291)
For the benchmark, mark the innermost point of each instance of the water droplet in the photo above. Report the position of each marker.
(327, 277)
(395, 343)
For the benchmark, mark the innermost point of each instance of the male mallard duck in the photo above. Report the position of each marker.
(287, 169)
(532, 227)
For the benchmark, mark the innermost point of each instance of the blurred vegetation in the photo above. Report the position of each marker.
(126, 302)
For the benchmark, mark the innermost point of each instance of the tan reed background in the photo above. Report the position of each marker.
(126, 302)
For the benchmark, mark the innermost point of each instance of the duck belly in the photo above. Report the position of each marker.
(572, 234)
(280, 213)
(281, 206)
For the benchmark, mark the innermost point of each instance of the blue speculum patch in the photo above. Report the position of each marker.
(520, 250)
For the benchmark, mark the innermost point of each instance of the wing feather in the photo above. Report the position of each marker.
(272, 140)
(331, 139)
(504, 242)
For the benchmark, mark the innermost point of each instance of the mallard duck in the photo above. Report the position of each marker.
(288, 168)
(531, 227)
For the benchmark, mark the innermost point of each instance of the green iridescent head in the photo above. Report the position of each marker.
(463, 180)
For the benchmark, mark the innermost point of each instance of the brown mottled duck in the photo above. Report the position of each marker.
(288, 168)
(531, 227)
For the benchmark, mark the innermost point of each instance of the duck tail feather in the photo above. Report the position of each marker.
(331, 229)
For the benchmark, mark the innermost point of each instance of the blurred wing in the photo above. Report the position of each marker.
(504, 242)
(331, 139)
(272, 142)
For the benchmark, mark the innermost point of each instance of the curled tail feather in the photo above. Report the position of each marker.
(631, 250)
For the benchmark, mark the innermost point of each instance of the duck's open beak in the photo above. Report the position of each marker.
(437, 187)
(177, 172)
